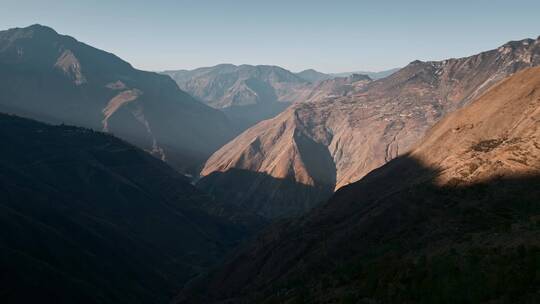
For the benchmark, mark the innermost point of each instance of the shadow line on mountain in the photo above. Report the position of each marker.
(263, 194)
(395, 226)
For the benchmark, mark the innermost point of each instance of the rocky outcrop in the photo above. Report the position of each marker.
(359, 125)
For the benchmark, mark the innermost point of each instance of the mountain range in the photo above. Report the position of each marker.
(348, 127)
(313, 76)
(253, 184)
(455, 220)
(372, 75)
(55, 78)
(247, 94)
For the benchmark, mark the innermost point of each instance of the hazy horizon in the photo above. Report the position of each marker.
(342, 36)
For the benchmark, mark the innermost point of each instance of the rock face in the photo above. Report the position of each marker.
(247, 94)
(455, 220)
(353, 126)
(54, 78)
(88, 218)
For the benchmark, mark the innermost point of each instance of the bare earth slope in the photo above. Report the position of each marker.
(88, 218)
(55, 78)
(357, 128)
(456, 220)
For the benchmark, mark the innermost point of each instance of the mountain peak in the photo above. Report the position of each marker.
(32, 31)
(312, 75)
(518, 43)
(40, 27)
(37, 29)
(225, 65)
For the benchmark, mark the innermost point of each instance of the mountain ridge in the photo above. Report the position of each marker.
(246, 93)
(373, 75)
(363, 124)
(55, 78)
(453, 220)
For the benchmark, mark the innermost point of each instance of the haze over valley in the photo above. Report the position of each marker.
(277, 178)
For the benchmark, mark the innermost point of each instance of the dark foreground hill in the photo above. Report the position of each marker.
(456, 220)
(88, 218)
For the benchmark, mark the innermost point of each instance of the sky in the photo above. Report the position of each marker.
(329, 36)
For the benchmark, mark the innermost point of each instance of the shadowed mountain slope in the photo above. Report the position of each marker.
(357, 125)
(88, 218)
(456, 220)
(55, 78)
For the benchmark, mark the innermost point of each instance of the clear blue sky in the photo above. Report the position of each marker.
(331, 36)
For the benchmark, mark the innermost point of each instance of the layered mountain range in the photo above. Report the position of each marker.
(372, 75)
(417, 185)
(313, 76)
(88, 218)
(349, 126)
(455, 220)
(55, 78)
(246, 93)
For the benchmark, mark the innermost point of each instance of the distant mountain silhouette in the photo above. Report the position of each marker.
(456, 220)
(55, 78)
(347, 127)
(313, 76)
(88, 218)
(316, 76)
(372, 75)
(246, 93)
